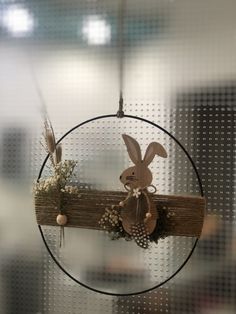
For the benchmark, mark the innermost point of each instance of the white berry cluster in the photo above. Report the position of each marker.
(111, 221)
(110, 218)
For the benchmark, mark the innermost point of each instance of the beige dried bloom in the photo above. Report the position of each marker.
(63, 172)
(49, 139)
(58, 153)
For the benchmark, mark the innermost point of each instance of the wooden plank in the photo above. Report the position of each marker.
(182, 215)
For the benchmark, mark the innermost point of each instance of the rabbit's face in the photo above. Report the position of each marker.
(140, 176)
(137, 177)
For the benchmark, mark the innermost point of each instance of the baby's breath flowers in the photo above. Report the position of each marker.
(63, 171)
(72, 190)
(46, 185)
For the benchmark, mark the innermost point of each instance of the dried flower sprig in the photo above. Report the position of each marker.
(63, 170)
(58, 153)
(50, 141)
(49, 137)
(58, 181)
(111, 222)
(54, 150)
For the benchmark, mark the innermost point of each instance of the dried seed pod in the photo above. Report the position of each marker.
(58, 153)
(50, 140)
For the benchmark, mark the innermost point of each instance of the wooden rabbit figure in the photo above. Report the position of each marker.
(139, 214)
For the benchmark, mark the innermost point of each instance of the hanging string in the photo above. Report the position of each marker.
(42, 103)
(120, 112)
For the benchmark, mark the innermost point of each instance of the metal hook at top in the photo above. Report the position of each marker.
(120, 112)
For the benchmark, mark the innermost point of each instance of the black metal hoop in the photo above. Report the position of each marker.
(201, 192)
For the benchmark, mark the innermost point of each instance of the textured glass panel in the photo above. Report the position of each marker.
(180, 71)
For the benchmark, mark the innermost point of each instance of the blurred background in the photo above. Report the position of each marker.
(180, 72)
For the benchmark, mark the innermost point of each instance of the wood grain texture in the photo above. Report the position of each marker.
(183, 215)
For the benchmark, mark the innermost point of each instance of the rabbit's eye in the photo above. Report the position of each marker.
(132, 173)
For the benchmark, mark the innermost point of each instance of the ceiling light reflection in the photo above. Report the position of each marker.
(96, 30)
(18, 21)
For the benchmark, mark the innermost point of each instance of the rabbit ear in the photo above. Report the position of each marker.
(133, 148)
(152, 150)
